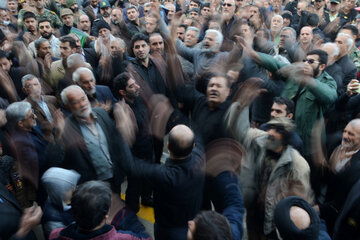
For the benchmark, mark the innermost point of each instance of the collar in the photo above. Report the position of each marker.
(84, 122)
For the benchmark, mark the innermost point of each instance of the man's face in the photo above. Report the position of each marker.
(104, 33)
(44, 50)
(4, 16)
(141, 50)
(217, 90)
(30, 120)
(171, 10)
(94, 3)
(105, 11)
(12, 6)
(301, 7)
(147, 10)
(193, 5)
(45, 30)
(312, 65)
(87, 83)
(39, 4)
(150, 24)
(341, 42)
(276, 5)
(132, 14)
(210, 43)
(65, 50)
(351, 137)
(274, 140)
(68, 20)
(349, 4)
(287, 22)
(318, 4)
(78, 103)
(132, 89)
(329, 50)
(190, 38)
(116, 15)
(180, 32)
(334, 8)
(228, 9)
(74, 8)
(278, 110)
(276, 24)
(30, 24)
(116, 49)
(214, 25)
(5, 64)
(194, 15)
(77, 42)
(244, 30)
(348, 32)
(206, 12)
(306, 35)
(32, 88)
(285, 39)
(254, 12)
(157, 44)
(84, 23)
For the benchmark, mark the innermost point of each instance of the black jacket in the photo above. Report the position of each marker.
(348, 68)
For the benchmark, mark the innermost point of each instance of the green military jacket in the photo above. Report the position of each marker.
(55, 20)
(355, 57)
(312, 101)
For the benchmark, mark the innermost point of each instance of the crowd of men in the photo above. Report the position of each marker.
(233, 119)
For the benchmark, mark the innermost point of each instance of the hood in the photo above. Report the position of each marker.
(58, 181)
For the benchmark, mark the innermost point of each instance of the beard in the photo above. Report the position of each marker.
(47, 35)
(272, 144)
(83, 112)
(316, 71)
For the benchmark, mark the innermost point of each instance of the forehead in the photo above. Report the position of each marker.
(140, 42)
(45, 44)
(276, 18)
(341, 38)
(84, 18)
(347, 31)
(47, 24)
(85, 75)
(156, 38)
(116, 11)
(130, 81)
(279, 106)
(33, 80)
(210, 35)
(75, 94)
(306, 30)
(29, 19)
(150, 20)
(104, 30)
(115, 43)
(65, 44)
(218, 80)
(314, 56)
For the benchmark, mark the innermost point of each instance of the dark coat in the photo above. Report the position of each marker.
(104, 94)
(91, 57)
(76, 154)
(348, 68)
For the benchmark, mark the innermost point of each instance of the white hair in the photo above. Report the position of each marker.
(116, 39)
(79, 71)
(349, 40)
(219, 36)
(67, 90)
(17, 111)
(278, 16)
(74, 59)
(28, 77)
(334, 47)
(195, 29)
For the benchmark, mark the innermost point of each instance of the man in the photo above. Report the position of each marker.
(320, 10)
(332, 67)
(90, 205)
(334, 9)
(44, 106)
(156, 42)
(44, 57)
(150, 24)
(194, 4)
(57, 69)
(305, 42)
(286, 44)
(41, 12)
(344, 43)
(102, 44)
(181, 31)
(85, 24)
(171, 11)
(98, 95)
(143, 147)
(90, 138)
(31, 33)
(348, 11)
(67, 16)
(5, 25)
(47, 32)
(115, 19)
(275, 28)
(354, 53)
(105, 10)
(92, 10)
(74, 7)
(283, 107)
(191, 36)
(134, 25)
(273, 170)
(205, 12)
(194, 14)
(229, 17)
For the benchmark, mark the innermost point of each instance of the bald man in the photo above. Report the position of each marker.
(178, 184)
(306, 37)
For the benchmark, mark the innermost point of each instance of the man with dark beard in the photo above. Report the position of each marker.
(46, 31)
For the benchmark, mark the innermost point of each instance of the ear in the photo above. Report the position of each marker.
(24, 90)
(20, 124)
(322, 67)
(122, 93)
(290, 116)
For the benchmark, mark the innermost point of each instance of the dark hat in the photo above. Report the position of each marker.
(104, 4)
(286, 227)
(287, 14)
(335, 1)
(66, 11)
(102, 24)
(69, 3)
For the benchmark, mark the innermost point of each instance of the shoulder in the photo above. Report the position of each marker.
(300, 164)
(57, 63)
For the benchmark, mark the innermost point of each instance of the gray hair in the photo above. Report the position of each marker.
(279, 16)
(131, 7)
(219, 36)
(79, 71)
(195, 29)
(73, 59)
(17, 111)
(40, 41)
(293, 32)
(26, 78)
(116, 39)
(66, 91)
(334, 47)
(349, 40)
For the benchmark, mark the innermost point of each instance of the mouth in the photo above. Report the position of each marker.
(213, 94)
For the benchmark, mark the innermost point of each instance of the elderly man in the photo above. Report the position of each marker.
(85, 24)
(102, 44)
(275, 28)
(44, 106)
(44, 57)
(229, 17)
(156, 42)
(115, 19)
(67, 16)
(286, 44)
(332, 67)
(90, 140)
(354, 53)
(191, 36)
(98, 95)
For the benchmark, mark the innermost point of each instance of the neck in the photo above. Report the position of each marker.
(40, 11)
(145, 62)
(279, 149)
(333, 14)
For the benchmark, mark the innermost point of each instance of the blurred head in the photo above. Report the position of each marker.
(350, 30)
(116, 15)
(140, 46)
(104, 33)
(306, 35)
(287, 37)
(117, 47)
(212, 40)
(194, 14)
(5, 62)
(332, 50)
(30, 22)
(218, 90)
(194, 4)
(31, 86)
(105, 12)
(351, 135)
(279, 130)
(214, 24)
(84, 23)
(75, 100)
(205, 10)
(39, 4)
(334, 7)
(151, 24)
(344, 42)
(282, 107)
(132, 13)
(68, 20)
(126, 87)
(287, 16)
(156, 43)
(318, 4)
(171, 10)
(42, 47)
(77, 41)
(301, 6)
(317, 60)
(94, 3)
(276, 23)
(349, 4)
(228, 9)
(85, 79)
(90, 204)
(191, 36)
(67, 46)
(45, 28)
(180, 142)
(12, 6)
(180, 31)
(147, 8)
(21, 115)
(209, 225)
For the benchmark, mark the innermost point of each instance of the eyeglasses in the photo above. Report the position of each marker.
(145, 11)
(227, 5)
(31, 116)
(310, 61)
(318, 0)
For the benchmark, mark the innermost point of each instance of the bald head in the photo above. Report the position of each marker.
(181, 141)
(300, 217)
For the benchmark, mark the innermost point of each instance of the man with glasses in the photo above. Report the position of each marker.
(319, 7)
(229, 17)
